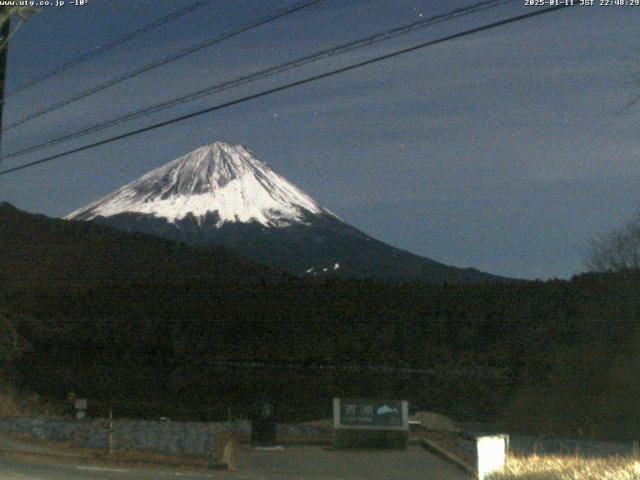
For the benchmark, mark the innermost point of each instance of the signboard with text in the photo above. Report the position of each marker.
(370, 414)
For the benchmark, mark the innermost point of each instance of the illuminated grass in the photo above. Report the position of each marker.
(548, 467)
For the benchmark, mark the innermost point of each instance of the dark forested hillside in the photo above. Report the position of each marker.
(156, 328)
(36, 250)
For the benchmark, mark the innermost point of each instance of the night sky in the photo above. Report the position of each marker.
(506, 150)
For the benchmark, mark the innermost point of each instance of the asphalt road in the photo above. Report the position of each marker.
(20, 469)
(294, 463)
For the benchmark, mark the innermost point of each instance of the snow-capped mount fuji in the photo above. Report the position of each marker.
(222, 194)
(220, 178)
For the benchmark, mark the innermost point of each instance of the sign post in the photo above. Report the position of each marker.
(81, 408)
(370, 423)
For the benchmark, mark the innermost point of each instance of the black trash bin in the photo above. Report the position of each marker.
(263, 425)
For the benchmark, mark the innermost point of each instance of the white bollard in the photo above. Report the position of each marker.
(492, 452)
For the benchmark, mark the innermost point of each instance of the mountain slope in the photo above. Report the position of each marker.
(222, 194)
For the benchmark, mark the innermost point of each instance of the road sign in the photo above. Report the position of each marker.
(371, 414)
(370, 423)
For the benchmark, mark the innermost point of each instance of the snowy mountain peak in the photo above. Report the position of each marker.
(221, 178)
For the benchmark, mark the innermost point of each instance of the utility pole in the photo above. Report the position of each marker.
(4, 33)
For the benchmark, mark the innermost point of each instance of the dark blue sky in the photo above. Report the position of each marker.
(505, 151)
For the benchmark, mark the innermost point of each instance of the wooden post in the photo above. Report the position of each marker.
(636, 448)
(229, 453)
(110, 433)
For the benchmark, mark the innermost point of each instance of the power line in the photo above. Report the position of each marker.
(109, 46)
(168, 59)
(299, 62)
(291, 85)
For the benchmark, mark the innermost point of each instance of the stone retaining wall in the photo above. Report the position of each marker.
(165, 437)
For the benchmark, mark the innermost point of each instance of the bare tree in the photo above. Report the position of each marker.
(618, 250)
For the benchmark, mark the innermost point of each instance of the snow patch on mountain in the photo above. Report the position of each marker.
(320, 270)
(220, 178)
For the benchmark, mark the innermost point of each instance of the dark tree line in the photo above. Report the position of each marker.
(155, 328)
